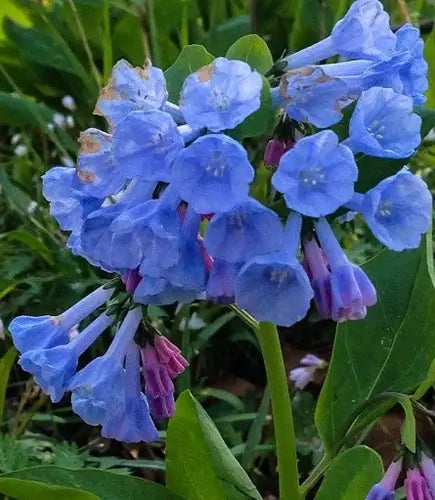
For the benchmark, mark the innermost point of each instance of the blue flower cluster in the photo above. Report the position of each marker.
(164, 201)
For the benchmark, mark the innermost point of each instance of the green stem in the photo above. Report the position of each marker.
(107, 43)
(315, 475)
(268, 338)
(155, 47)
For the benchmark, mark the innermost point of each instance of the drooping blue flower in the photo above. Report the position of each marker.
(212, 174)
(132, 422)
(275, 287)
(384, 125)
(68, 204)
(311, 95)
(189, 270)
(246, 230)
(130, 89)
(303, 375)
(42, 332)
(398, 210)
(54, 367)
(351, 290)
(102, 245)
(145, 145)
(363, 33)
(221, 281)
(99, 174)
(384, 490)
(317, 176)
(221, 95)
(320, 276)
(155, 226)
(413, 72)
(160, 291)
(99, 388)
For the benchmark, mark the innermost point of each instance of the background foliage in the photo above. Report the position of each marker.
(50, 49)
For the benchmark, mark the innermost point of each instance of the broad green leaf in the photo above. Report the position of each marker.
(351, 475)
(408, 431)
(16, 197)
(198, 463)
(222, 36)
(427, 383)
(260, 121)
(32, 490)
(17, 110)
(391, 349)
(6, 364)
(127, 38)
(191, 58)
(253, 50)
(311, 24)
(104, 484)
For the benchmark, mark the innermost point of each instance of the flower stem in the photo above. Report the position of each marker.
(268, 338)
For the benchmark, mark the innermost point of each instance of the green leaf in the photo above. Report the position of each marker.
(260, 121)
(127, 38)
(6, 364)
(408, 431)
(104, 484)
(427, 383)
(222, 36)
(32, 242)
(32, 490)
(191, 58)
(351, 475)
(17, 110)
(253, 50)
(391, 349)
(311, 24)
(199, 465)
(13, 11)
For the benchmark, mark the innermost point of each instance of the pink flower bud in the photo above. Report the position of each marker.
(162, 407)
(157, 379)
(416, 486)
(275, 148)
(170, 355)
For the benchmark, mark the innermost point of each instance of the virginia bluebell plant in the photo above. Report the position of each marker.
(163, 200)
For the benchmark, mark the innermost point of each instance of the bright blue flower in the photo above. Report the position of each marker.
(363, 33)
(189, 270)
(100, 176)
(221, 95)
(317, 176)
(212, 174)
(378, 492)
(105, 248)
(155, 227)
(398, 210)
(145, 145)
(351, 289)
(131, 422)
(130, 89)
(246, 230)
(384, 125)
(221, 281)
(102, 245)
(159, 291)
(68, 204)
(413, 73)
(42, 332)
(275, 287)
(99, 388)
(54, 367)
(311, 95)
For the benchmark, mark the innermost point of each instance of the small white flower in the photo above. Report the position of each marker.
(15, 139)
(68, 102)
(31, 207)
(20, 150)
(303, 375)
(59, 120)
(70, 121)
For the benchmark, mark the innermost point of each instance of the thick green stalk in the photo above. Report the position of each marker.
(267, 334)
